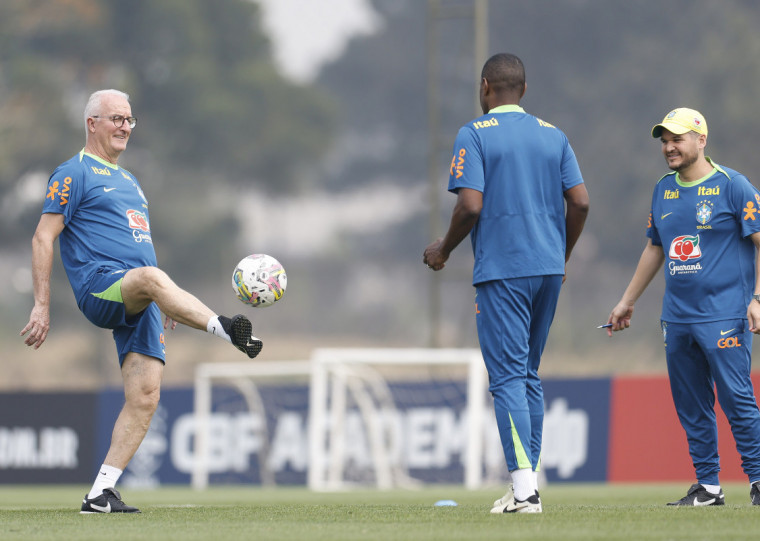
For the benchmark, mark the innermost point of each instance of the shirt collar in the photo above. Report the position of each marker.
(97, 159)
(507, 109)
(716, 168)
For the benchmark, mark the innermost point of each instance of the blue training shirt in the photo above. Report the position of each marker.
(704, 228)
(105, 214)
(522, 166)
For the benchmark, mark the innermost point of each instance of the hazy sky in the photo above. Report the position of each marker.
(307, 33)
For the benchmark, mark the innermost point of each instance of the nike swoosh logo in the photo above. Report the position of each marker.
(665, 215)
(697, 503)
(723, 333)
(106, 509)
(108, 189)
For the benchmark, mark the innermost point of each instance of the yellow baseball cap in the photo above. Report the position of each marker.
(680, 121)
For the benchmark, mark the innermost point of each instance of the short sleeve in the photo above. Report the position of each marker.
(745, 200)
(64, 192)
(466, 169)
(569, 168)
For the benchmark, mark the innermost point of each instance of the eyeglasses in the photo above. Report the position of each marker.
(118, 120)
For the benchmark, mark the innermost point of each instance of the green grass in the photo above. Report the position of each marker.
(588, 512)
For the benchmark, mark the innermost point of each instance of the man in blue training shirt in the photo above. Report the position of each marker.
(100, 214)
(513, 175)
(704, 224)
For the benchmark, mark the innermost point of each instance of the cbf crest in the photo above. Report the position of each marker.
(704, 212)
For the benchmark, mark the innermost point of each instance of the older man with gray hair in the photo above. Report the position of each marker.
(100, 214)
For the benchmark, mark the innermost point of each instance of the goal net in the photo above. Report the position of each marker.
(237, 406)
(396, 417)
(383, 417)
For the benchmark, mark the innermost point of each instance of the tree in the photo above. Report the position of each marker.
(212, 109)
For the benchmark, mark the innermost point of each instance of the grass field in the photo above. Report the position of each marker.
(604, 512)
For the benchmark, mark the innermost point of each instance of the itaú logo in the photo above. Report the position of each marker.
(730, 342)
(685, 247)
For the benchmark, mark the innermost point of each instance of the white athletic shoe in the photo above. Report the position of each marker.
(508, 504)
(531, 505)
(501, 503)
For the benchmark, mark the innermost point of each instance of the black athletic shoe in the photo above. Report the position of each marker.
(754, 494)
(698, 496)
(108, 502)
(240, 330)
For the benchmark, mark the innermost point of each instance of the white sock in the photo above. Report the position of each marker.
(522, 481)
(712, 489)
(107, 478)
(535, 481)
(215, 327)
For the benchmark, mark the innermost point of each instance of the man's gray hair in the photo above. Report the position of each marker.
(96, 98)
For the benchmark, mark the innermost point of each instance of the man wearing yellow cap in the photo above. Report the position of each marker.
(704, 225)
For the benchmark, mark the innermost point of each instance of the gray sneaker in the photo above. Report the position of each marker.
(754, 494)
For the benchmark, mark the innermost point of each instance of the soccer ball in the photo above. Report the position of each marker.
(259, 280)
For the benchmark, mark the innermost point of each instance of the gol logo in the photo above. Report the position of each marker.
(138, 220)
(730, 342)
(685, 247)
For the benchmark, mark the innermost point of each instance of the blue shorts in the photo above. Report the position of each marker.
(140, 333)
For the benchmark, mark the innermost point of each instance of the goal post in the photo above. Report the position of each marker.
(340, 374)
(347, 417)
(243, 376)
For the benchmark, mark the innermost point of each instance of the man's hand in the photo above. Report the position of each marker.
(463, 219)
(620, 317)
(434, 257)
(170, 323)
(753, 316)
(38, 327)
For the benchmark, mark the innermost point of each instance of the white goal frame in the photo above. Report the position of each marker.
(331, 369)
(242, 376)
(333, 373)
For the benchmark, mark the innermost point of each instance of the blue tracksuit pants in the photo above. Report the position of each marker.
(703, 357)
(513, 318)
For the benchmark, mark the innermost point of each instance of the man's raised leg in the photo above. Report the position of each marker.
(144, 285)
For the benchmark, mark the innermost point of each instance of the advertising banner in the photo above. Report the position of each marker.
(647, 442)
(619, 430)
(47, 438)
(260, 436)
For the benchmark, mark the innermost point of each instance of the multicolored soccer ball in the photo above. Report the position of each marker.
(259, 280)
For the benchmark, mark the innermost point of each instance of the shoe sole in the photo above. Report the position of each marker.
(109, 513)
(532, 508)
(529, 508)
(698, 503)
(242, 337)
